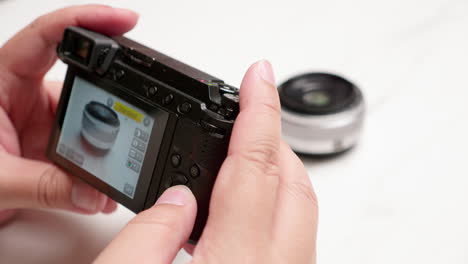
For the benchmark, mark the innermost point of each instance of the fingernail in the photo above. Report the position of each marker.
(177, 195)
(265, 70)
(85, 197)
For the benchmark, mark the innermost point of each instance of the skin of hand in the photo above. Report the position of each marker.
(263, 208)
(27, 110)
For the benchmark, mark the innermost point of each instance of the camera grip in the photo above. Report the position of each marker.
(195, 161)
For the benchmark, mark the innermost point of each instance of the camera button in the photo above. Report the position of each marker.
(152, 90)
(168, 99)
(194, 171)
(179, 179)
(185, 108)
(118, 74)
(176, 160)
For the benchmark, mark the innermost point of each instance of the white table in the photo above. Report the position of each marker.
(400, 197)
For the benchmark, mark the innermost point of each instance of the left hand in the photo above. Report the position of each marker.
(27, 110)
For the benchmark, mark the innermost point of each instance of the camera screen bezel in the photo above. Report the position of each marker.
(152, 156)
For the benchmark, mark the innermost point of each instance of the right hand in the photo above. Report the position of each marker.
(263, 208)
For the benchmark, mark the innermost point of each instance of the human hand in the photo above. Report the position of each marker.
(263, 208)
(27, 110)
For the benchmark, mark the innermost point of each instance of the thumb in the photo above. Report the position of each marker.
(157, 234)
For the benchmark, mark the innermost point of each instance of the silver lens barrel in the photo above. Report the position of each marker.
(315, 127)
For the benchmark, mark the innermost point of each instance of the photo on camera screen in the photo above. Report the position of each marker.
(105, 135)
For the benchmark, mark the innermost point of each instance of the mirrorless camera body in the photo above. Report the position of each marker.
(133, 122)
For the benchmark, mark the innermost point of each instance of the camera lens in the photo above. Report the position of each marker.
(316, 98)
(103, 113)
(322, 113)
(100, 125)
(317, 93)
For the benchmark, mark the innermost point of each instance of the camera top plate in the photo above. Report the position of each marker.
(104, 55)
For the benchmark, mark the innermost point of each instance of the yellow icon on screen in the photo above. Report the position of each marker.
(128, 112)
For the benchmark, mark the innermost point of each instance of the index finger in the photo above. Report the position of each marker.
(31, 52)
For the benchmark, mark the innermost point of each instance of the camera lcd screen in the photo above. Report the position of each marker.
(105, 135)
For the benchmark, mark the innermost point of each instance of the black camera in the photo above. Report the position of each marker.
(133, 122)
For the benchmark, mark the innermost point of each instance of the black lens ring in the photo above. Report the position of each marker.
(326, 81)
(103, 113)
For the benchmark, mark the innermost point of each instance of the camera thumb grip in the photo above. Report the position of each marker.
(157, 234)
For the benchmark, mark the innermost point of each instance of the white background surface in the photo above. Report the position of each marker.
(400, 197)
